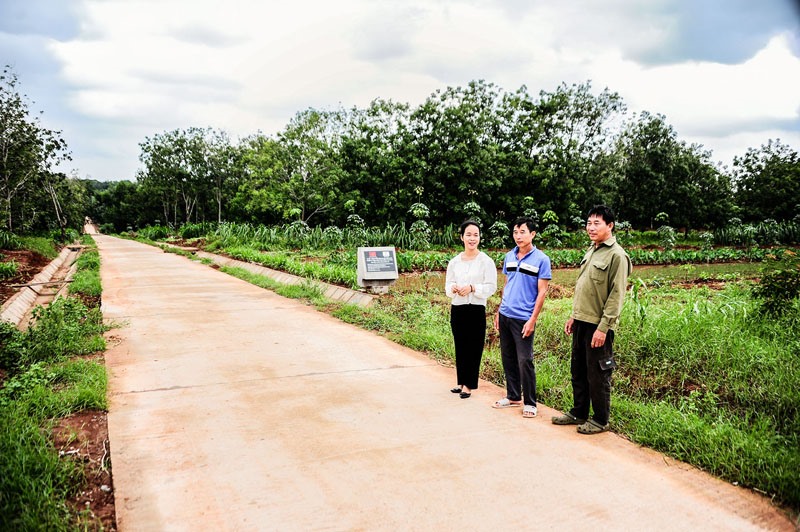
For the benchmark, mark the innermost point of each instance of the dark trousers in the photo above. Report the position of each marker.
(468, 323)
(591, 373)
(517, 355)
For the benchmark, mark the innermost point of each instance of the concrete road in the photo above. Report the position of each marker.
(233, 408)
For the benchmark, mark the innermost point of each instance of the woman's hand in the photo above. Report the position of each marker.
(462, 290)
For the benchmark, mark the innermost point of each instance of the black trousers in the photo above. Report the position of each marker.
(517, 355)
(468, 323)
(591, 373)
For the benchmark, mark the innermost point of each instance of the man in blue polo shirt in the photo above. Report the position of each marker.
(527, 272)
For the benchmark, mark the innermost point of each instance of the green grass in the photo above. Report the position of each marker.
(86, 280)
(308, 291)
(685, 273)
(44, 246)
(699, 379)
(47, 379)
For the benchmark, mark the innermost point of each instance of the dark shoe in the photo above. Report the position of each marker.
(457, 389)
(592, 427)
(464, 395)
(567, 419)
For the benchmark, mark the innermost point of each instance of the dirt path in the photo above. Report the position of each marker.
(235, 409)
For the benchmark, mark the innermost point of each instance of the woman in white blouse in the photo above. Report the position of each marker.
(471, 279)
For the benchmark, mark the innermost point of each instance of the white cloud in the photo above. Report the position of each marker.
(139, 67)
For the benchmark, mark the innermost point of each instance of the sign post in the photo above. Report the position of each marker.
(377, 268)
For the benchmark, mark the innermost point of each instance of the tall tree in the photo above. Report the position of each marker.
(661, 173)
(177, 168)
(27, 150)
(224, 166)
(377, 182)
(766, 182)
(257, 198)
(308, 187)
(573, 138)
(456, 144)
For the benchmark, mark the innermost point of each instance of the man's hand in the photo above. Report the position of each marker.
(528, 328)
(598, 339)
(568, 327)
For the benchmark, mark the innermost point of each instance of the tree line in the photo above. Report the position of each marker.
(473, 151)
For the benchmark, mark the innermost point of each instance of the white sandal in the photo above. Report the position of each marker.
(505, 403)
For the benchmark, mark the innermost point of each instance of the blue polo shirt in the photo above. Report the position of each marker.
(522, 286)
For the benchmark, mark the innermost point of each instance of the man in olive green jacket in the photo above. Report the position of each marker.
(596, 306)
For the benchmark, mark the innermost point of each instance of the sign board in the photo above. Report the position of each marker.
(377, 266)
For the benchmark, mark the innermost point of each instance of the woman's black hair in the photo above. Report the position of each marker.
(467, 223)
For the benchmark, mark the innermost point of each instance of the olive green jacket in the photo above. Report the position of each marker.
(601, 285)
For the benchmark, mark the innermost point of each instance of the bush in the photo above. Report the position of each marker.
(9, 240)
(779, 286)
(8, 269)
(156, 232)
(12, 344)
(63, 329)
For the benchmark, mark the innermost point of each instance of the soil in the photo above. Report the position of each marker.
(82, 436)
(29, 263)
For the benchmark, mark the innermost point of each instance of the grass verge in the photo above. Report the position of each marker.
(49, 376)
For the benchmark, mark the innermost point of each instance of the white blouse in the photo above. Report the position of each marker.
(480, 272)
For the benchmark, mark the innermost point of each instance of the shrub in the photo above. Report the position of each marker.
(8, 269)
(666, 236)
(12, 344)
(9, 240)
(779, 286)
(155, 232)
(498, 235)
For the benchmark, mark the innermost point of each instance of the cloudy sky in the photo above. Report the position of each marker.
(108, 73)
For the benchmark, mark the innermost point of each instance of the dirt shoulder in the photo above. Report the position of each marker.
(82, 436)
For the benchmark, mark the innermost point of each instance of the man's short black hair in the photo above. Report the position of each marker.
(528, 222)
(603, 211)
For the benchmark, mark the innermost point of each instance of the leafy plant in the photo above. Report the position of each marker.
(667, 237)
(9, 241)
(780, 285)
(498, 235)
(8, 269)
(12, 345)
(472, 211)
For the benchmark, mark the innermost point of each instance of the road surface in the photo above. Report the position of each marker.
(232, 408)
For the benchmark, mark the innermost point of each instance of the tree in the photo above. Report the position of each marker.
(660, 173)
(124, 205)
(27, 150)
(766, 181)
(573, 137)
(224, 164)
(177, 169)
(456, 147)
(308, 185)
(377, 180)
(256, 198)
